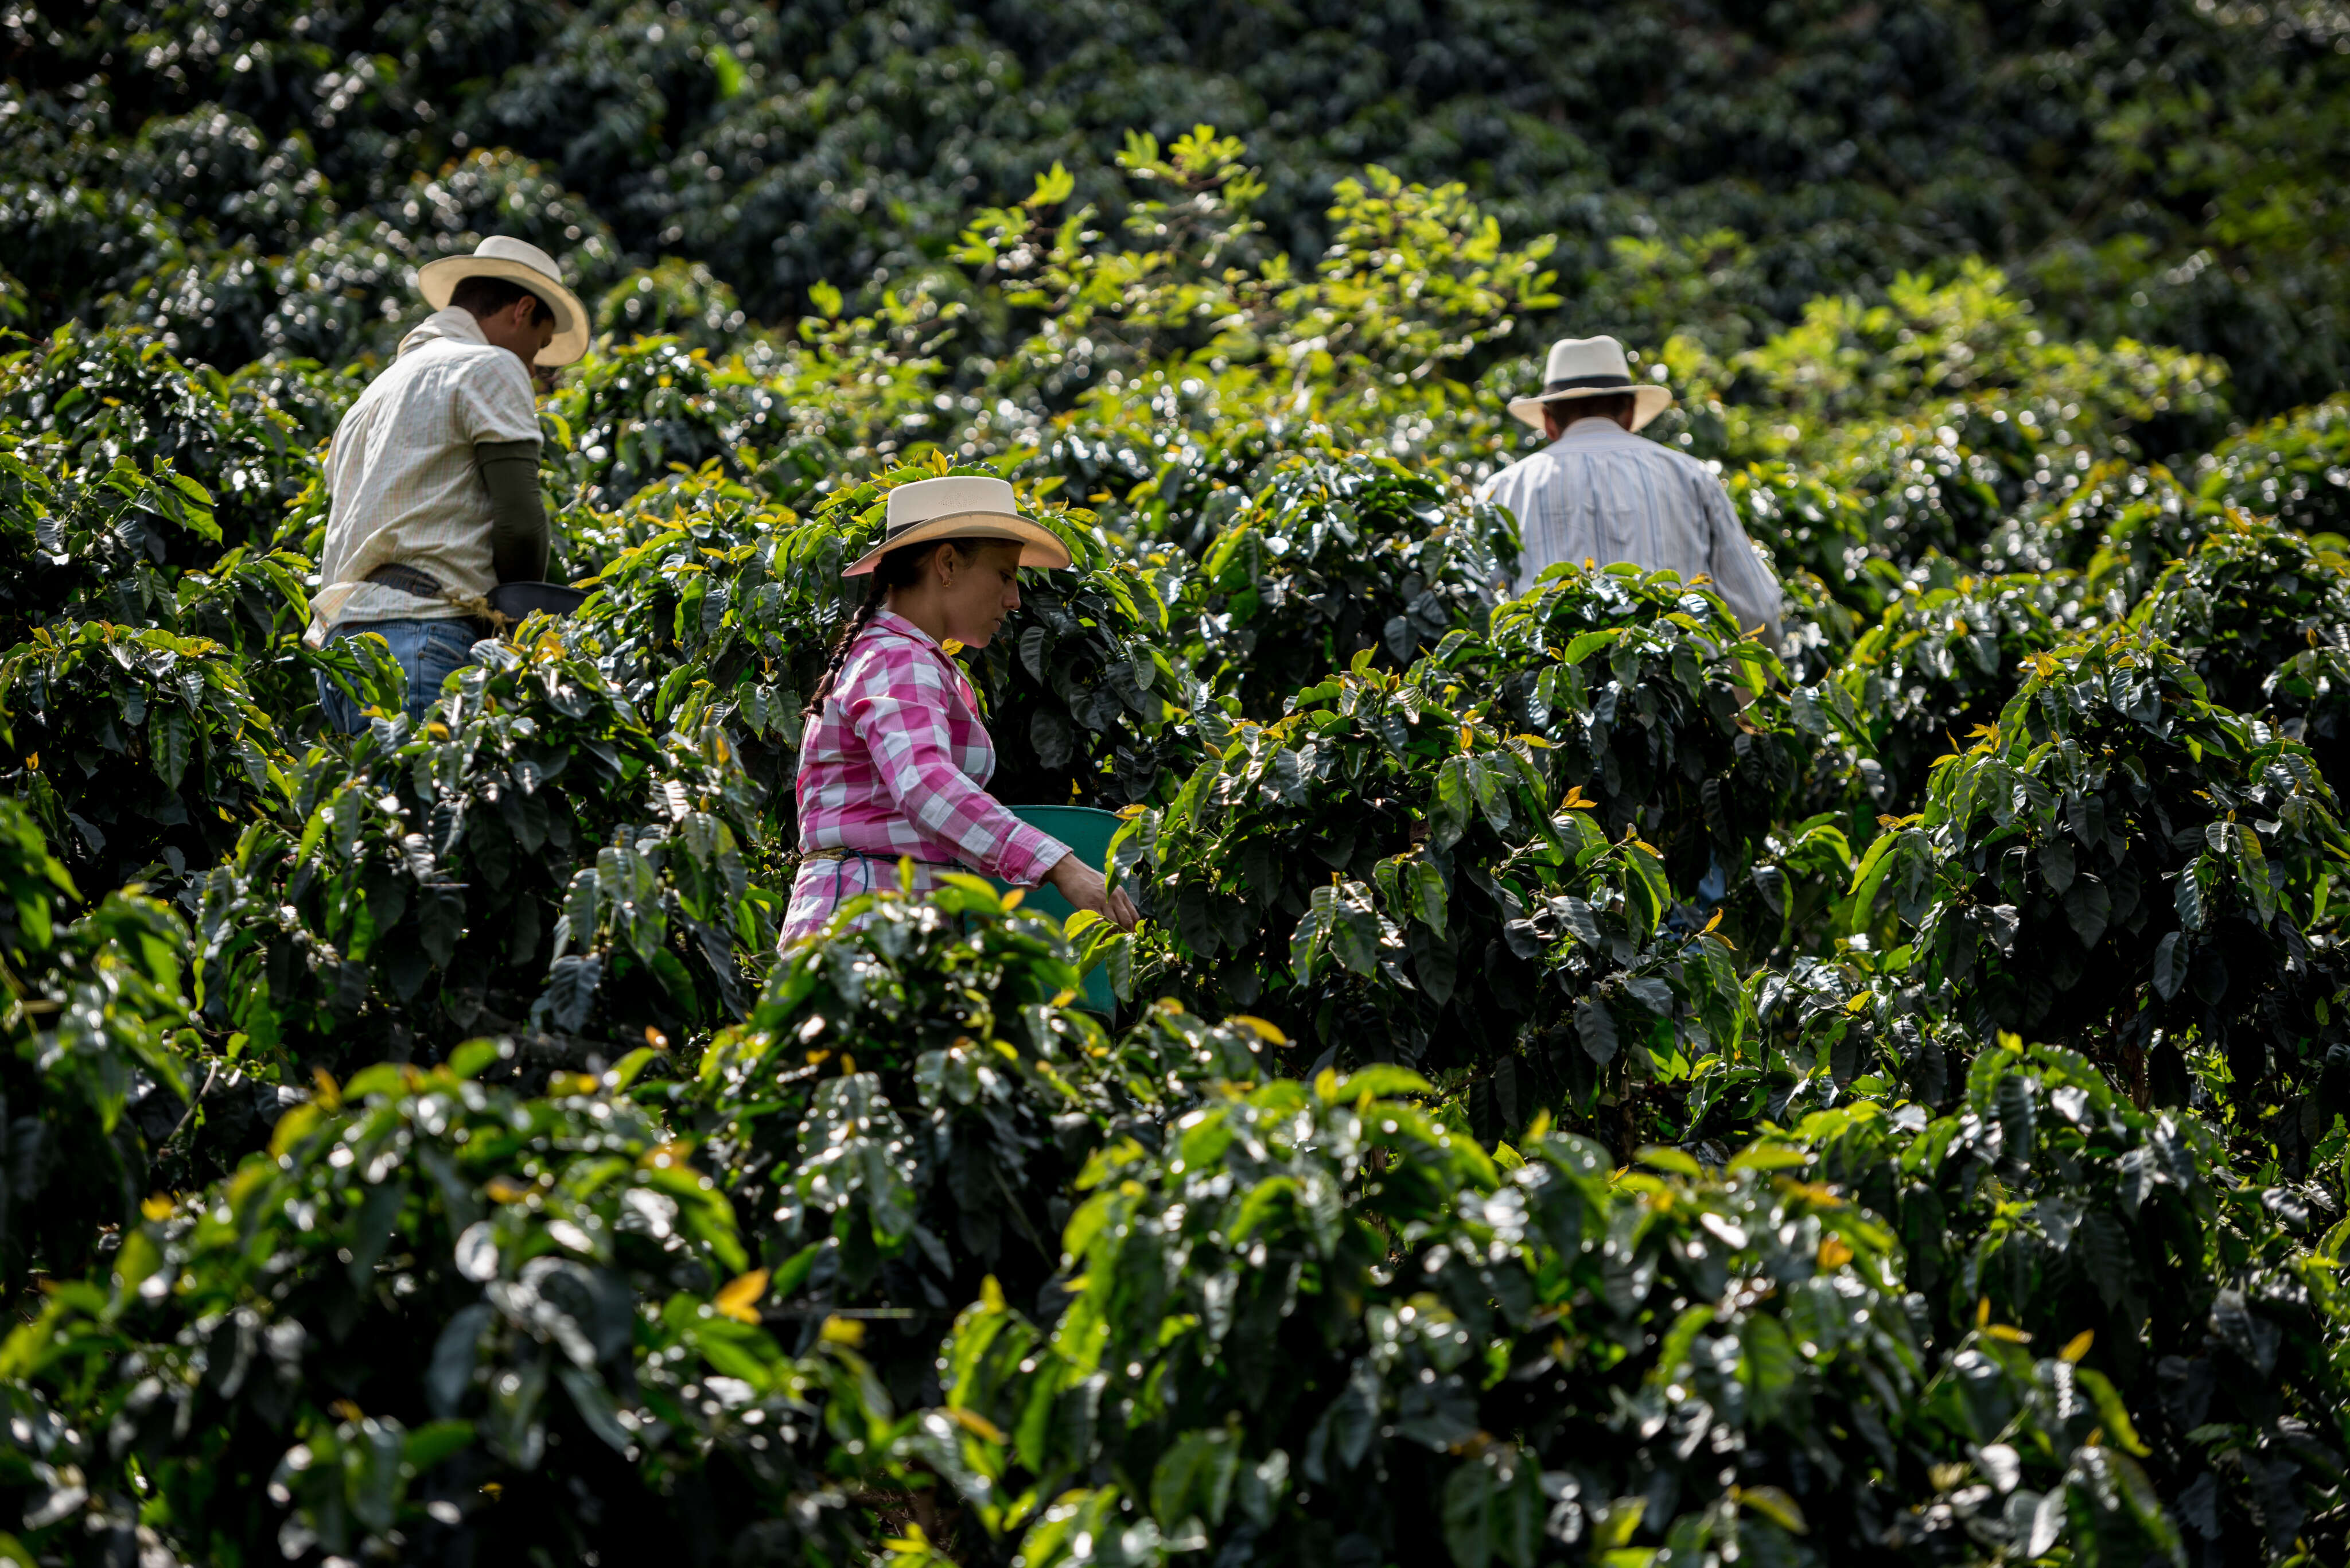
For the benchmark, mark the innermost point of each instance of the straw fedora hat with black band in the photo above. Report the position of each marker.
(520, 261)
(1582, 367)
(964, 507)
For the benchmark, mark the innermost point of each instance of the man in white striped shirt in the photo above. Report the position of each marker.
(434, 473)
(1602, 494)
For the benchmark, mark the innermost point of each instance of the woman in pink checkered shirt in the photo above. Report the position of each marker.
(895, 761)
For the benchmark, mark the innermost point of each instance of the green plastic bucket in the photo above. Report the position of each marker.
(1087, 832)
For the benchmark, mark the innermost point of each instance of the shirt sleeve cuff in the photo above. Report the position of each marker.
(1031, 853)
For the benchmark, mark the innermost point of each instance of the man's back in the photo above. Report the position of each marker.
(1599, 493)
(402, 471)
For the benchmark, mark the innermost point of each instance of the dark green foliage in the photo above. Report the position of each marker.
(142, 753)
(2248, 604)
(96, 543)
(1857, 1025)
(1333, 559)
(1635, 1006)
(726, 608)
(2304, 697)
(1655, 704)
(2289, 468)
(886, 1117)
(2121, 857)
(443, 1317)
(1993, 431)
(995, 1279)
(655, 405)
(89, 542)
(90, 399)
(1937, 665)
(674, 299)
(1387, 879)
(2049, 1203)
(903, 1116)
(95, 1075)
(1178, 481)
(2245, 602)
(1307, 871)
(1381, 1340)
(532, 860)
(1818, 535)
(2160, 171)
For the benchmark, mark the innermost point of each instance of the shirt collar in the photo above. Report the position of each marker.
(1592, 427)
(453, 322)
(456, 321)
(890, 621)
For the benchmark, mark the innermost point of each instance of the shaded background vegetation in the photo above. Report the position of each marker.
(414, 1149)
(2160, 171)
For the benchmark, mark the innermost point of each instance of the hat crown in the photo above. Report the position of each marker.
(1572, 359)
(955, 496)
(1587, 367)
(504, 247)
(516, 261)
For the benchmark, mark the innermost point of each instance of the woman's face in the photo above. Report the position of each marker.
(977, 590)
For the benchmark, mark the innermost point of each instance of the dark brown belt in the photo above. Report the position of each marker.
(514, 602)
(425, 586)
(408, 580)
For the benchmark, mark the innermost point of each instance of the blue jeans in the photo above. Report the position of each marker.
(427, 650)
(1711, 890)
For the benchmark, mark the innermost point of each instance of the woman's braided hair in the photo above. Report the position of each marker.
(898, 570)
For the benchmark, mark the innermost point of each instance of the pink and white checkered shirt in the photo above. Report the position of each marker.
(896, 764)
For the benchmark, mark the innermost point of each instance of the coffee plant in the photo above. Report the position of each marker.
(1317, 1362)
(2125, 865)
(2070, 1214)
(1591, 1084)
(1333, 559)
(439, 1315)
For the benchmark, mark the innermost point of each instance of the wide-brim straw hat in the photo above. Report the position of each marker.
(963, 507)
(1582, 367)
(523, 263)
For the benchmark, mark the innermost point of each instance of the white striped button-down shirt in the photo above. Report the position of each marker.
(401, 478)
(1601, 493)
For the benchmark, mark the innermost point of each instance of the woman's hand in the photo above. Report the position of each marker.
(1086, 889)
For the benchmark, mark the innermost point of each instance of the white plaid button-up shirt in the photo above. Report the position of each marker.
(1599, 493)
(401, 479)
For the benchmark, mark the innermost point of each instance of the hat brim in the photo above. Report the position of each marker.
(437, 280)
(1039, 545)
(1648, 400)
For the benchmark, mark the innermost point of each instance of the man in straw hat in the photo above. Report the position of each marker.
(1602, 494)
(434, 473)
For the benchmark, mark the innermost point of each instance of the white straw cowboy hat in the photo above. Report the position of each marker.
(523, 263)
(1590, 367)
(968, 506)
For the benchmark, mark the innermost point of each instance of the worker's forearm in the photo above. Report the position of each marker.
(517, 516)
